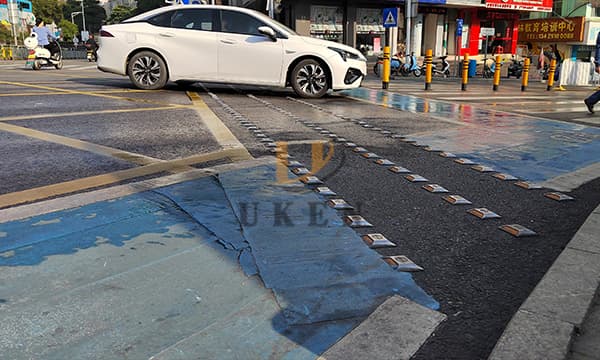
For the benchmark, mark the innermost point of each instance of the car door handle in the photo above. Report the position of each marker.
(167, 34)
(226, 41)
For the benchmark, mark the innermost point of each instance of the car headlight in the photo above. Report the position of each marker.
(347, 54)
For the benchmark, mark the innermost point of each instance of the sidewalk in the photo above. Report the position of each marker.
(560, 319)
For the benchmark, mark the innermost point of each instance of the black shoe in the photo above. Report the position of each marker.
(590, 107)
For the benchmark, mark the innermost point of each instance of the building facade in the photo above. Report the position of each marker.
(435, 23)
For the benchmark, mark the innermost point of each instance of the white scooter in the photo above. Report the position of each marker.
(43, 57)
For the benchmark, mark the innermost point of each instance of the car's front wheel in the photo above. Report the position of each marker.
(309, 79)
(147, 71)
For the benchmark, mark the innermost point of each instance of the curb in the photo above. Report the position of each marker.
(395, 330)
(545, 324)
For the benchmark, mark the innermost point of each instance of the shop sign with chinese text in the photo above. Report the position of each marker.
(552, 29)
(528, 5)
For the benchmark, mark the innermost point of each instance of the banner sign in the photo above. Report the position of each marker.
(552, 29)
(527, 5)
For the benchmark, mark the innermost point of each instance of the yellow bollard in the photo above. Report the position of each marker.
(385, 76)
(497, 73)
(551, 74)
(2, 52)
(10, 56)
(465, 72)
(428, 63)
(525, 74)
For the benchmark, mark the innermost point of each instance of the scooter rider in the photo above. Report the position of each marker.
(43, 36)
(92, 45)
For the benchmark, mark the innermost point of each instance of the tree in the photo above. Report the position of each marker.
(94, 14)
(147, 5)
(47, 10)
(68, 29)
(120, 13)
(5, 34)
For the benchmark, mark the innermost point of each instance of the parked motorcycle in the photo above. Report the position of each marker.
(43, 56)
(395, 65)
(444, 70)
(515, 68)
(411, 66)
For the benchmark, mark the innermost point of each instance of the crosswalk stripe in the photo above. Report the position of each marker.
(553, 110)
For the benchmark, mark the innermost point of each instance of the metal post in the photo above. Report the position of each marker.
(11, 15)
(465, 72)
(525, 74)
(408, 13)
(497, 73)
(83, 15)
(270, 7)
(428, 62)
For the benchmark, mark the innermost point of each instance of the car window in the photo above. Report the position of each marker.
(240, 23)
(197, 19)
(163, 19)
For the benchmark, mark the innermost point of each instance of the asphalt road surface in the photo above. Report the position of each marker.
(72, 127)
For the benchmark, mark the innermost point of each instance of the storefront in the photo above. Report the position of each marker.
(326, 22)
(369, 30)
(500, 22)
(360, 23)
(539, 34)
(505, 31)
(568, 36)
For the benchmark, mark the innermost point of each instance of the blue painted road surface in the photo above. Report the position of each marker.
(529, 148)
(230, 266)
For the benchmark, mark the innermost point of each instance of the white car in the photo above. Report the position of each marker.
(225, 44)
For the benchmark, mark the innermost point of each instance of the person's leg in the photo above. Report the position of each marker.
(592, 100)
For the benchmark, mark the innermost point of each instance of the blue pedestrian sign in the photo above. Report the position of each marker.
(459, 27)
(390, 17)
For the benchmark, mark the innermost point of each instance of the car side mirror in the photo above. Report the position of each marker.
(267, 31)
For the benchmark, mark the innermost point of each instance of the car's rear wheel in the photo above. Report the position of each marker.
(309, 79)
(147, 71)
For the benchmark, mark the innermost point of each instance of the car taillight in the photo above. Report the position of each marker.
(104, 33)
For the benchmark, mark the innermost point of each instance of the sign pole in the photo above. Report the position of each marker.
(408, 12)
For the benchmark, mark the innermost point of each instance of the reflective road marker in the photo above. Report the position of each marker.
(356, 221)
(401, 263)
(505, 177)
(558, 196)
(464, 161)
(415, 178)
(399, 170)
(528, 185)
(434, 188)
(377, 241)
(325, 191)
(339, 204)
(456, 200)
(483, 213)
(517, 230)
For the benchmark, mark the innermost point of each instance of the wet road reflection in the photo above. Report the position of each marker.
(530, 148)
